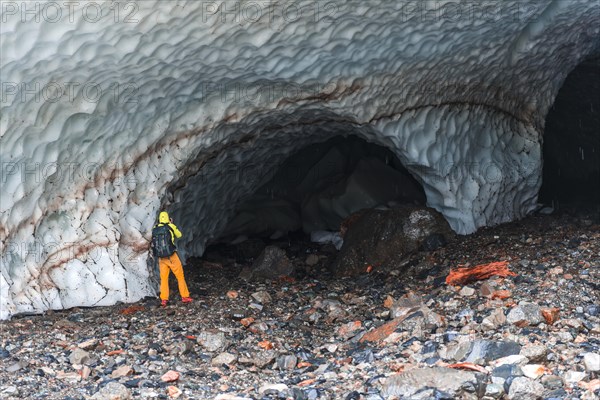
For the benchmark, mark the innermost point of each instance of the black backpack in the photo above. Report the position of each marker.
(162, 241)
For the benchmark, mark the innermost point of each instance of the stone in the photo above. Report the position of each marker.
(525, 314)
(312, 260)
(113, 391)
(263, 297)
(535, 353)
(121, 371)
(467, 291)
(552, 382)
(523, 388)
(287, 362)
(224, 359)
(263, 358)
(494, 391)
(534, 371)
(572, 377)
(272, 263)
(591, 361)
(447, 380)
(170, 376)
(212, 340)
(386, 237)
(495, 320)
(273, 387)
(79, 357)
(484, 351)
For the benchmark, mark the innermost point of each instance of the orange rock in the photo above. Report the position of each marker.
(461, 275)
(303, 364)
(132, 310)
(232, 294)
(381, 332)
(265, 344)
(170, 376)
(501, 294)
(115, 352)
(247, 321)
(349, 328)
(550, 315)
(469, 366)
(369, 268)
(306, 382)
(173, 392)
(388, 302)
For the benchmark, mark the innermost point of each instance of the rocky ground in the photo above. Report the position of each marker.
(385, 334)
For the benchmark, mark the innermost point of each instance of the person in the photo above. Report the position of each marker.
(163, 247)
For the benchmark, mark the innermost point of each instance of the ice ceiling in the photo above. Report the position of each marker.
(112, 110)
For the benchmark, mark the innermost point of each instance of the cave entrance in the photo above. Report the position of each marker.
(572, 140)
(319, 186)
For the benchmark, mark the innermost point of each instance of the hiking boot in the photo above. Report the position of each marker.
(186, 299)
(163, 303)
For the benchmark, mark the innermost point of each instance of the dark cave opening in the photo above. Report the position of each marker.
(316, 188)
(572, 140)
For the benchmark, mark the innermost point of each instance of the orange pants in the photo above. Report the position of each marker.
(166, 265)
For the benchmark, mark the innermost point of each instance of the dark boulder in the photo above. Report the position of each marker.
(384, 238)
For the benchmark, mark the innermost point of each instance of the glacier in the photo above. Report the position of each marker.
(112, 111)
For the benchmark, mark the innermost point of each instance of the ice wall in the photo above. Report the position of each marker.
(111, 110)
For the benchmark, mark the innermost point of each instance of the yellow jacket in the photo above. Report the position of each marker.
(163, 219)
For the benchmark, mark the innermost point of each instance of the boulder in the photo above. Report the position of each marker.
(459, 384)
(271, 264)
(384, 238)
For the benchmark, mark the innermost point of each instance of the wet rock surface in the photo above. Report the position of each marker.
(393, 333)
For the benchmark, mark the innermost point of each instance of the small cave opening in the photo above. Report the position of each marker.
(571, 176)
(314, 190)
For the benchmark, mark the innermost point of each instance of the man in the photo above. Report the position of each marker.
(163, 246)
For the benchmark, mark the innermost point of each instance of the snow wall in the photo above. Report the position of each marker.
(112, 110)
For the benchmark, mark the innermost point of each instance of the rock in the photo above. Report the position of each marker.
(261, 359)
(262, 297)
(312, 260)
(458, 351)
(121, 371)
(591, 362)
(14, 367)
(533, 371)
(523, 388)
(484, 351)
(170, 376)
(348, 330)
(525, 314)
(112, 391)
(535, 353)
(224, 358)
(552, 382)
(275, 388)
(495, 320)
(515, 359)
(572, 377)
(272, 263)
(446, 380)
(174, 392)
(212, 340)
(287, 362)
(467, 291)
(494, 391)
(88, 344)
(79, 356)
(386, 237)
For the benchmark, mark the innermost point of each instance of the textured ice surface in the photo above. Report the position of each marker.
(111, 110)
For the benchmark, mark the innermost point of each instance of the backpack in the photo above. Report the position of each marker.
(162, 241)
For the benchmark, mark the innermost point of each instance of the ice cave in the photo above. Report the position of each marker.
(112, 111)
